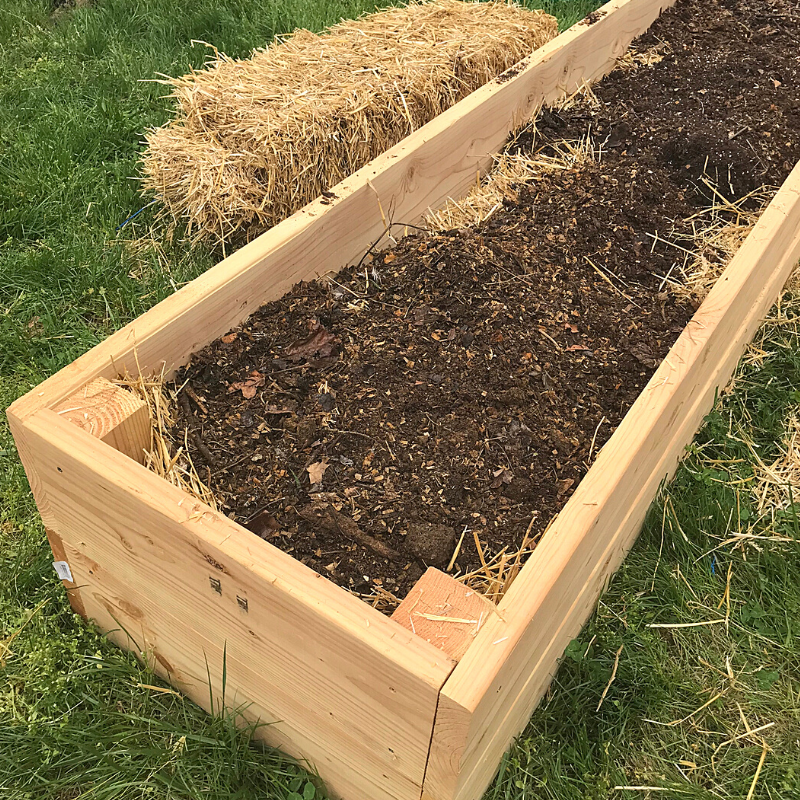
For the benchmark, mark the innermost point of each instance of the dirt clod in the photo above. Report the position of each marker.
(325, 515)
(432, 544)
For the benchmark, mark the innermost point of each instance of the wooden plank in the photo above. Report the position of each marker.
(444, 612)
(491, 693)
(189, 658)
(48, 518)
(112, 414)
(351, 688)
(438, 161)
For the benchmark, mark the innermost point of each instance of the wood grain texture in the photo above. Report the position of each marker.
(112, 414)
(437, 162)
(348, 688)
(444, 612)
(491, 693)
(188, 658)
(48, 518)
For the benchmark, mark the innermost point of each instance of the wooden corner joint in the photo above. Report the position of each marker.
(444, 612)
(112, 414)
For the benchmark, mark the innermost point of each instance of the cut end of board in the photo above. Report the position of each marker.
(112, 414)
(444, 612)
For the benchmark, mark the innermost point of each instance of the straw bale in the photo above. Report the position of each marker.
(254, 140)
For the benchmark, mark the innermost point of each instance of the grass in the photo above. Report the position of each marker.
(78, 717)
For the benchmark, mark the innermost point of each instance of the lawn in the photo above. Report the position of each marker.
(632, 705)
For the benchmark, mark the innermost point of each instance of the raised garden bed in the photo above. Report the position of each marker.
(463, 382)
(379, 710)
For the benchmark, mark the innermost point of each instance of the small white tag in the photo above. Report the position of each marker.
(63, 571)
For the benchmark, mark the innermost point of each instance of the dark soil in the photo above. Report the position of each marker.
(467, 380)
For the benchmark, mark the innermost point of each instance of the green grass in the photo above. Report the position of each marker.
(75, 717)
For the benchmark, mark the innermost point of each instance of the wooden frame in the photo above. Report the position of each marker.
(377, 710)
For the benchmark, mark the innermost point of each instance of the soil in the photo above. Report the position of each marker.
(467, 380)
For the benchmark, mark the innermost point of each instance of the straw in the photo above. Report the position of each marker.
(718, 232)
(165, 456)
(254, 140)
(777, 485)
(509, 173)
(632, 59)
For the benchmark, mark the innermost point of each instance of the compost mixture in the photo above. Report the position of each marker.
(465, 381)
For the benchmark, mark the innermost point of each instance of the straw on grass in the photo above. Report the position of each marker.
(777, 485)
(254, 140)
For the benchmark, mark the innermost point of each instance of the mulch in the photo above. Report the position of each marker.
(466, 380)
